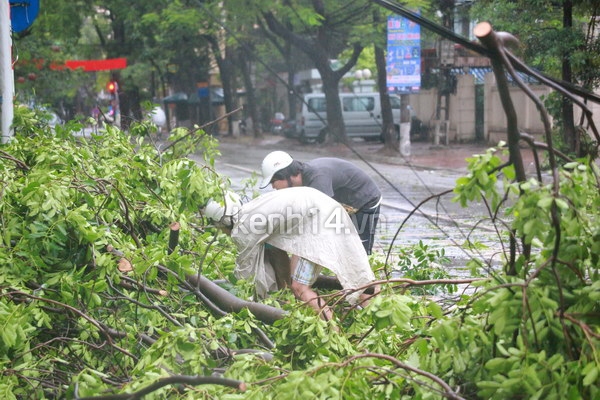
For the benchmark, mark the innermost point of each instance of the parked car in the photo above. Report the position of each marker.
(361, 113)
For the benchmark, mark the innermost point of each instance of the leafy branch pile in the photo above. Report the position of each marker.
(95, 303)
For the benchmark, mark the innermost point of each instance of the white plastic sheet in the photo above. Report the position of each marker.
(305, 222)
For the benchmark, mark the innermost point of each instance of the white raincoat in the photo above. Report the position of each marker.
(301, 221)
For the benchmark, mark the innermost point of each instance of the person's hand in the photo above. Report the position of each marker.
(349, 209)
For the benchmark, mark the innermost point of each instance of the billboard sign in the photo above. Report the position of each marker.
(403, 63)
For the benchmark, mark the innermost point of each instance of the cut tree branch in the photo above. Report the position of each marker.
(171, 380)
(448, 392)
(230, 303)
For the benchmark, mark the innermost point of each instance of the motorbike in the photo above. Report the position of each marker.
(277, 123)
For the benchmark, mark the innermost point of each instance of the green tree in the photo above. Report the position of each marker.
(152, 35)
(559, 38)
(328, 31)
(40, 53)
(156, 37)
(322, 30)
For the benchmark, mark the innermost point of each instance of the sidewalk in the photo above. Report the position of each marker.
(423, 155)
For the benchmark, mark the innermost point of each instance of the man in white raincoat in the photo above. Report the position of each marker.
(315, 229)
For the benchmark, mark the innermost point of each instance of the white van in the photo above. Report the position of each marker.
(361, 113)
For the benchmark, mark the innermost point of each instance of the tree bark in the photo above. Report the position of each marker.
(226, 70)
(173, 236)
(569, 135)
(250, 109)
(388, 129)
(230, 303)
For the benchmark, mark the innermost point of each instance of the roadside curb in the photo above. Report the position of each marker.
(423, 155)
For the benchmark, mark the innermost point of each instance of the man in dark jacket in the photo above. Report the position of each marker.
(337, 178)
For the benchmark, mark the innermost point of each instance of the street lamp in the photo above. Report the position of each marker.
(360, 75)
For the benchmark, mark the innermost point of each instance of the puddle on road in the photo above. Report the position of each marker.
(452, 238)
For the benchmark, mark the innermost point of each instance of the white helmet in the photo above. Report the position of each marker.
(273, 162)
(216, 211)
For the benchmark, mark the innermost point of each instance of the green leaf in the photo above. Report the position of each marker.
(495, 364)
(591, 376)
(488, 384)
(435, 309)
(545, 202)
(563, 205)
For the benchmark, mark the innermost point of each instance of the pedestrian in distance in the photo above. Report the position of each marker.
(305, 223)
(337, 178)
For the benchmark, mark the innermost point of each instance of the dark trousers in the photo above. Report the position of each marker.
(365, 222)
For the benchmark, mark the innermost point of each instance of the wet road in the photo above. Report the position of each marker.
(439, 222)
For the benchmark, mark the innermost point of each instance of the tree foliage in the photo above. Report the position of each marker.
(152, 35)
(94, 303)
(544, 39)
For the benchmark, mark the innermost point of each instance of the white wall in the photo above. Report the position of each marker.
(462, 110)
(528, 117)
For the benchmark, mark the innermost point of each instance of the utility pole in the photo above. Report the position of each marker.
(7, 84)
(404, 144)
(19, 19)
(446, 61)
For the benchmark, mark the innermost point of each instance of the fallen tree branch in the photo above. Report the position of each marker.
(171, 380)
(448, 392)
(151, 306)
(191, 283)
(131, 284)
(331, 282)
(101, 328)
(230, 303)
(147, 339)
(173, 236)
(20, 164)
(220, 301)
(192, 288)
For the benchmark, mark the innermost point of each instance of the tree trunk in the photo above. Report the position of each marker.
(388, 129)
(569, 138)
(292, 96)
(227, 77)
(226, 71)
(335, 122)
(250, 109)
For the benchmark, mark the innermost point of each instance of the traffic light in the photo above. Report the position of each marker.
(112, 87)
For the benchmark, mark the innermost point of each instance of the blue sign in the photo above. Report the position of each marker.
(23, 13)
(403, 64)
